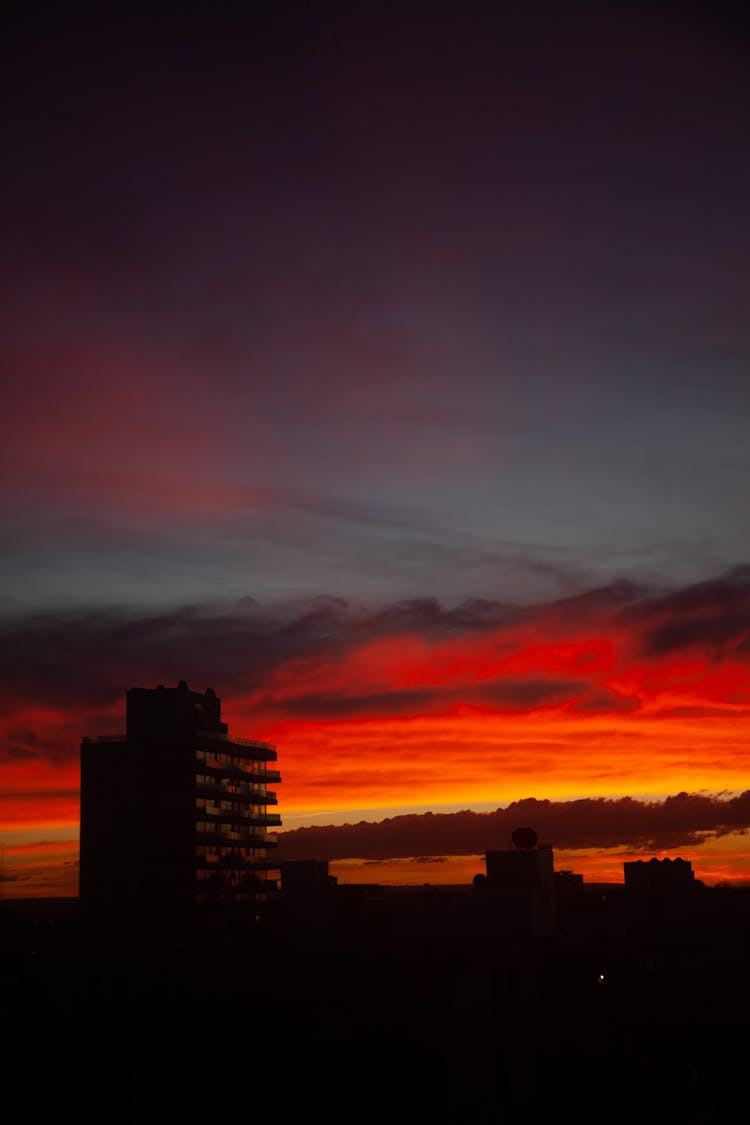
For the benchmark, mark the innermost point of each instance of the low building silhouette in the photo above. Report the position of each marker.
(660, 895)
(519, 886)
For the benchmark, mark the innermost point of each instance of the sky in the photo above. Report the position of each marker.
(385, 368)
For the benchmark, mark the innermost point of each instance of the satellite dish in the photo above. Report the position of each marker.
(524, 838)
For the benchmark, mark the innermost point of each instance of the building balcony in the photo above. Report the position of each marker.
(222, 787)
(265, 775)
(238, 773)
(236, 863)
(218, 833)
(238, 817)
(220, 883)
(265, 749)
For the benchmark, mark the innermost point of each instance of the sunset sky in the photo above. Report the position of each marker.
(385, 368)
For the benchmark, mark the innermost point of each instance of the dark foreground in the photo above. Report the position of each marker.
(374, 1015)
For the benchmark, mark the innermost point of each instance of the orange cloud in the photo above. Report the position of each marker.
(614, 693)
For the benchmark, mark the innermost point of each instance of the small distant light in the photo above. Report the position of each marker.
(600, 978)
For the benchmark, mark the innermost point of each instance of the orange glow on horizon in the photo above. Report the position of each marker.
(475, 758)
(555, 708)
(726, 861)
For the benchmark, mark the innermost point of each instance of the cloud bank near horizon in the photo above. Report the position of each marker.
(685, 820)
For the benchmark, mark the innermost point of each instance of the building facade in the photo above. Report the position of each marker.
(659, 895)
(520, 885)
(175, 814)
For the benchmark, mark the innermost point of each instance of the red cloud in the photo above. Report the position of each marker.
(614, 692)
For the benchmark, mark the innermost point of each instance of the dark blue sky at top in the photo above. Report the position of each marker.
(373, 302)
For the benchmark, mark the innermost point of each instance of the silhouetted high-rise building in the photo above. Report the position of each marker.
(175, 813)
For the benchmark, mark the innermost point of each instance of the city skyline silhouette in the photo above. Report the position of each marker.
(387, 368)
(382, 368)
